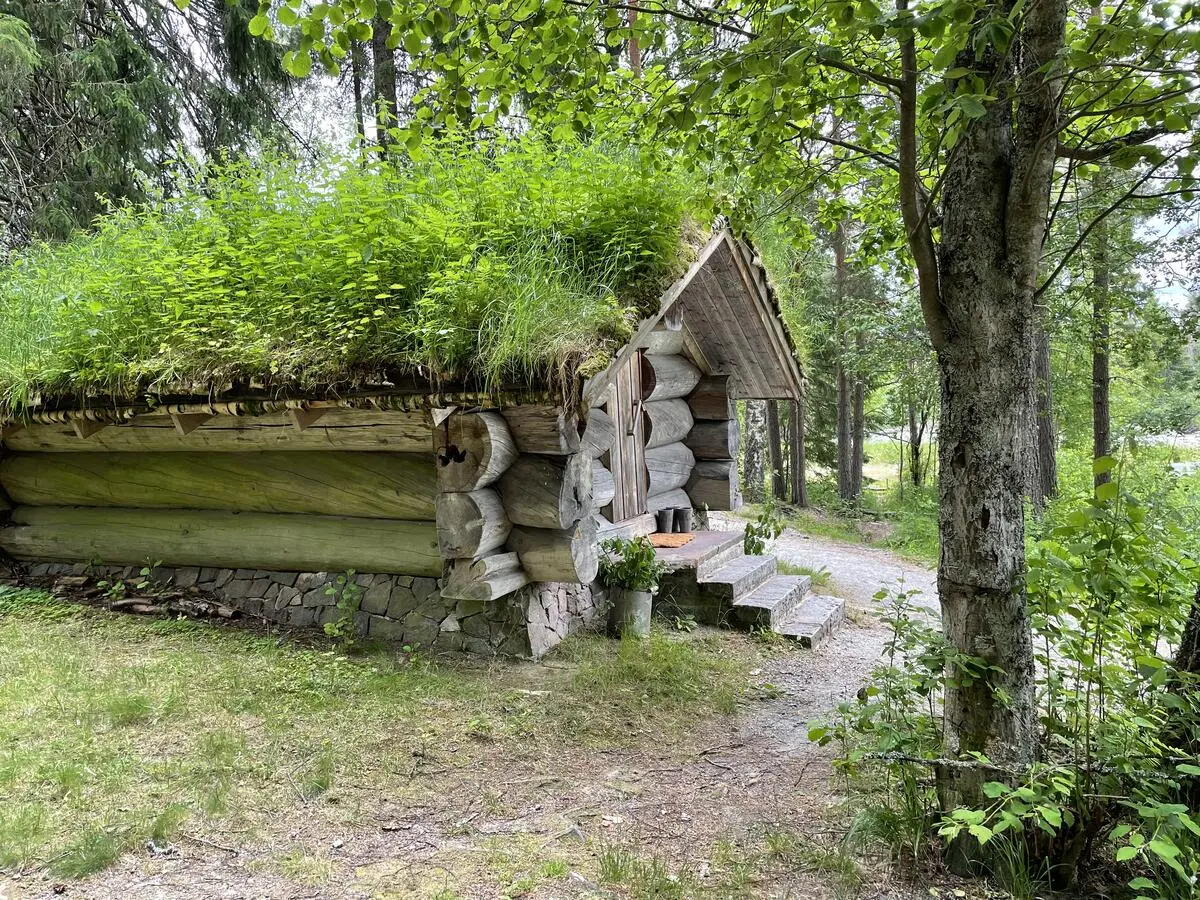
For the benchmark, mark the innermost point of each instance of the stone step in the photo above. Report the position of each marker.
(770, 604)
(723, 557)
(814, 620)
(736, 579)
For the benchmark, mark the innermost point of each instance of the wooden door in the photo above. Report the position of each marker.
(627, 461)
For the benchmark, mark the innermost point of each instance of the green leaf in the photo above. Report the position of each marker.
(1126, 853)
(1103, 464)
(1164, 848)
(972, 107)
(258, 25)
(1107, 491)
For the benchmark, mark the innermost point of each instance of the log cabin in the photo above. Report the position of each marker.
(470, 519)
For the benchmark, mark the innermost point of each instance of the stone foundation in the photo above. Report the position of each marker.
(395, 608)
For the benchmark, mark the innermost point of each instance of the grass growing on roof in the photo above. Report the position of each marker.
(499, 263)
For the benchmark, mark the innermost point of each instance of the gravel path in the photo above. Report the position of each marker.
(856, 571)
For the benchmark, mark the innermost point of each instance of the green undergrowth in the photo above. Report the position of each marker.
(491, 264)
(118, 730)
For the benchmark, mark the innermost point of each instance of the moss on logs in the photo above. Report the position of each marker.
(336, 429)
(180, 537)
(372, 485)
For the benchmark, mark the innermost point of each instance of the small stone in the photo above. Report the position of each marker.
(315, 598)
(420, 630)
(209, 574)
(338, 844)
(450, 624)
(187, 577)
(271, 592)
(402, 602)
(259, 587)
(364, 579)
(287, 579)
(422, 588)
(244, 573)
(477, 646)
(237, 589)
(252, 606)
(376, 598)
(223, 578)
(384, 629)
(301, 616)
(475, 626)
(404, 580)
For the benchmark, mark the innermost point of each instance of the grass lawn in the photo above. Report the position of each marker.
(120, 730)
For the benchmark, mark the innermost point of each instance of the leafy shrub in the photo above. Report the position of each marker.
(762, 532)
(630, 564)
(502, 261)
(1111, 580)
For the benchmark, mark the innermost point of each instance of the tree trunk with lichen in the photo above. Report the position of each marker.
(994, 212)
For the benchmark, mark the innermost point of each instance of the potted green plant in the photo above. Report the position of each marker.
(630, 571)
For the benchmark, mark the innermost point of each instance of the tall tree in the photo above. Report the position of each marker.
(117, 94)
(775, 447)
(1101, 328)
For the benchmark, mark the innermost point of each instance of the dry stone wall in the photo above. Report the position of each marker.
(396, 608)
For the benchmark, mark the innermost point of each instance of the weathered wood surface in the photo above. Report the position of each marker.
(626, 461)
(287, 543)
(474, 569)
(714, 439)
(667, 377)
(374, 485)
(600, 434)
(569, 555)
(338, 429)
(541, 428)
(665, 422)
(485, 580)
(487, 589)
(547, 491)
(710, 399)
(472, 450)
(664, 341)
(469, 524)
(637, 526)
(669, 467)
(668, 500)
(604, 486)
(714, 484)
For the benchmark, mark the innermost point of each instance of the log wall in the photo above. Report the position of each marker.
(481, 504)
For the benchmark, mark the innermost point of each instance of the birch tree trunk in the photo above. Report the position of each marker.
(753, 470)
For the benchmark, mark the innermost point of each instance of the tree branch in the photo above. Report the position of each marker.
(1107, 148)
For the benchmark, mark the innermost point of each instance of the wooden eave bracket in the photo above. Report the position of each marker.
(304, 417)
(85, 428)
(186, 423)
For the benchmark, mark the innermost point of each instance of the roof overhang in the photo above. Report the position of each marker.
(732, 321)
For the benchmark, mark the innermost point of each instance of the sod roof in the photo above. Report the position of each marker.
(482, 266)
